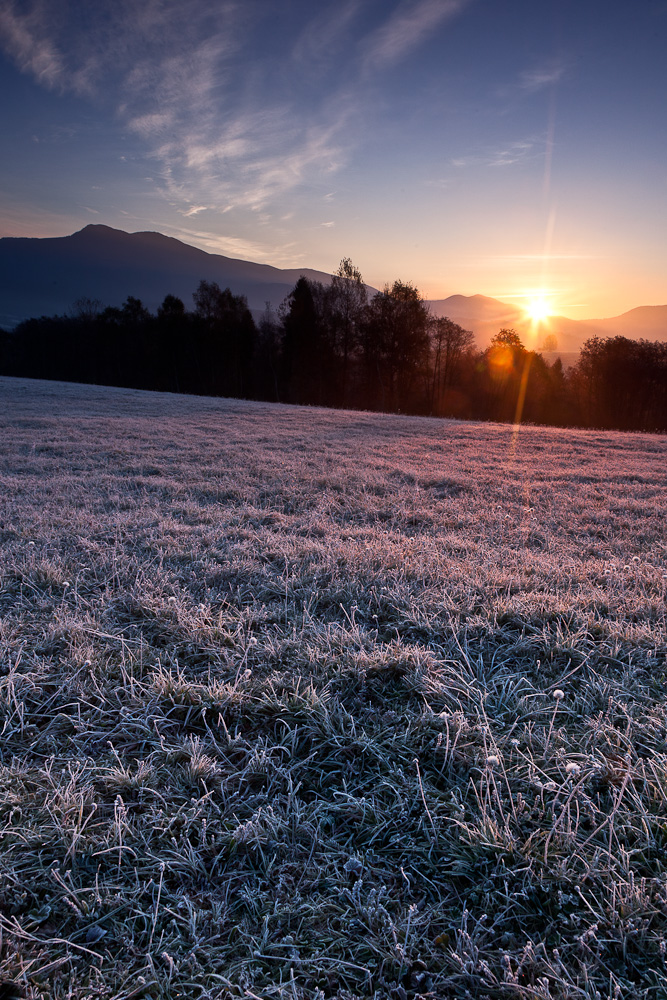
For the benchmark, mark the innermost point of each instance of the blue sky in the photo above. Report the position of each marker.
(491, 146)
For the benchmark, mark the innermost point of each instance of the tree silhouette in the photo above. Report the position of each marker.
(449, 344)
(622, 383)
(308, 360)
(226, 340)
(174, 346)
(331, 347)
(346, 301)
(395, 346)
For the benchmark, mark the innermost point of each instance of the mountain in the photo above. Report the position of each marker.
(479, 313)
(486, 316)
(46, 276)
(644, 323)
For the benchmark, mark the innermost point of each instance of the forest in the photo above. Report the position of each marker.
(336, 346)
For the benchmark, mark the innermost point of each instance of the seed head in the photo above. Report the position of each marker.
(558, 694)
(492, 760)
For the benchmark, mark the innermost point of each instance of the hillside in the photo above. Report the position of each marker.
(300, 703)
(647, 322)
(46, 276)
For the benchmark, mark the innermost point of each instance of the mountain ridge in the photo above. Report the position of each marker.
(46, 275)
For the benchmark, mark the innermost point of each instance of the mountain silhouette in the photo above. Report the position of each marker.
(486, 316)
(45, 276)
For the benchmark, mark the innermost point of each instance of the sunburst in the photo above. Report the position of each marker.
(538, 308)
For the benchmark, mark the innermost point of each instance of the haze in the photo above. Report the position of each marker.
(517, 150)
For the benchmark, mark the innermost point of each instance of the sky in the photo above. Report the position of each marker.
(511, 148)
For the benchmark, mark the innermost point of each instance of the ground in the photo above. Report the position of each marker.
(299, 703)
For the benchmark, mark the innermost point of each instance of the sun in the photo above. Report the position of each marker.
(538, 308)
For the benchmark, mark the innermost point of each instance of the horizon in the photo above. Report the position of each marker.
(307, 267)
(448, 143)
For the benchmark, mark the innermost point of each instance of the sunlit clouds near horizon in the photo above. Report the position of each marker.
(464, 145)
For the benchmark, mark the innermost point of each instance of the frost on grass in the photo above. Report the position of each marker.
(300, 703)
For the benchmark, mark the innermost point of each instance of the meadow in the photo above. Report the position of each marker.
(302, 703)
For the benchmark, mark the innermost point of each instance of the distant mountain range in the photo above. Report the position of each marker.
(46, 276)
(485, 316)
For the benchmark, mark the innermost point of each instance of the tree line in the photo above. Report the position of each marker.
(334, 345)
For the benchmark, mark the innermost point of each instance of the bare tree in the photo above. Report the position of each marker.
(449, 343)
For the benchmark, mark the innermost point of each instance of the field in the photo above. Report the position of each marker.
(298, 703)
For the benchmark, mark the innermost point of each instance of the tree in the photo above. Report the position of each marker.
(227, 340)
(550, 343)
(345, 304)
(122, 348)
(134, 311)
(267, 357)
(87, 309)
(449, 343)
(207, 300)
(507, 365)
(172, 346)
(307, 357)
(172, 308)
(621, 383)
(395, 348)
(507, 338)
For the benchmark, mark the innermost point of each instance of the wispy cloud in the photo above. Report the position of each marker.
(23, 41)
(541, 76)
(123, 42)
(170, 70)
(408, 26)
(237, 246)
(513, 152)
(151, 124)
(247, 161)
(317, 44)
(505, 155)
(180, 81)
